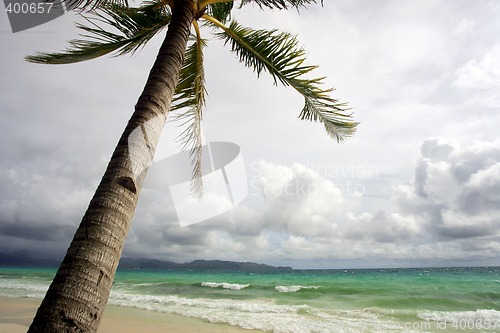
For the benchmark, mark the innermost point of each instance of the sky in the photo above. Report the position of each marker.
(418, 184)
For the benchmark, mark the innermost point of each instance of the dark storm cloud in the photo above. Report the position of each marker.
(437, 150)
(458, 188)
(29, 231)
(471, 231)
(58, 131)
(475, 201)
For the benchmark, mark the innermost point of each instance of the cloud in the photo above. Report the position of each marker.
(456, 190)
(465, 26)
(480, 73)
(300, 213)
(302, 202)
(451, 201)
(482, 191)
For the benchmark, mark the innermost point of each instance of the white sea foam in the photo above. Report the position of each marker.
(22, 286)
(29, 286)
(262, 314)
(148, 284)
(292, 289)
(16, 288)
(489, 316)
(225, 285)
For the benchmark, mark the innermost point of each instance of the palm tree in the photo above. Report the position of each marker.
(79, 292)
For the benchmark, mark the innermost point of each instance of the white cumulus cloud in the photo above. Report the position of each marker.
(480, 73)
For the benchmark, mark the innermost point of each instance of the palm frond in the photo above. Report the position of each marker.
(221, 11)
(89, 5)
(135, 26)
(190, 93)
(279, 4)
(279, 54)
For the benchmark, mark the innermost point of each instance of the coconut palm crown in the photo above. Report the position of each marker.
(277, 53)
(76, 299)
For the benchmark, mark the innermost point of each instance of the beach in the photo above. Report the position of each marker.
(16, 315)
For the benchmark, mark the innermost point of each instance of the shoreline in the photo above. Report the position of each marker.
(16, 315)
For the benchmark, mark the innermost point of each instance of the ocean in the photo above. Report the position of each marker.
(351, 300)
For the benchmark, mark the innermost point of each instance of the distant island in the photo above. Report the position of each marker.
(25, 260)
(131, 263)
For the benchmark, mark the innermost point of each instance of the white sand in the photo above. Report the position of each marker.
(16, 315)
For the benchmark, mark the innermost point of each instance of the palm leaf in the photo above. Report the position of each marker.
(220, 11)
(271, 4)
(279, 55)
(279, 4)
(136, 26)
(89, 5)
(190, 93)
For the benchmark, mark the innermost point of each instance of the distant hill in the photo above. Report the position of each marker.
(130, 263)
(25, 260)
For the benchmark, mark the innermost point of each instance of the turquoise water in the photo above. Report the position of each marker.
(375, 300)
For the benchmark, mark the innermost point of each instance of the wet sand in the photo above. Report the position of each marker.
(16, 315)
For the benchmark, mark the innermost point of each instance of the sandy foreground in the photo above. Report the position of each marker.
(16, 315)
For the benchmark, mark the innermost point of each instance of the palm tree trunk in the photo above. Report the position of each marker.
(76, 298)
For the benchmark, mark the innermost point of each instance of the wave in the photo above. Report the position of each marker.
(484, 316)
(10, 288)
(14, 285)
(225, 285)
(148, 284)
(264, 315)
(293, 289)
